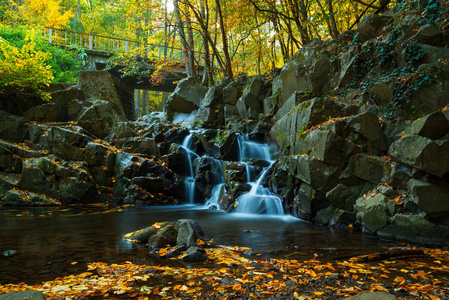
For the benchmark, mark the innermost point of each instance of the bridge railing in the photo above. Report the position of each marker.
(88, 41)
(110, 44)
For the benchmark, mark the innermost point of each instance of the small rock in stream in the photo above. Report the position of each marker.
(195, 254)
(9, 253)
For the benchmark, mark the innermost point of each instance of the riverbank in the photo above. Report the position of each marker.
(230, 274)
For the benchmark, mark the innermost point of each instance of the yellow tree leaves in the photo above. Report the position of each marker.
(232, 276)
(24, 68)
(41, 13)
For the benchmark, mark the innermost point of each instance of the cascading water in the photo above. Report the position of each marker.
(259, 200)
(190, 180)
(218, 189)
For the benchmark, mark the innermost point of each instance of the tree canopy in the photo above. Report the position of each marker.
(225, 37)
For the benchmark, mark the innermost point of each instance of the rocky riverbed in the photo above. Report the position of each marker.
(360, 125)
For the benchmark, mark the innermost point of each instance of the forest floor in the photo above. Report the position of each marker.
(407, 273)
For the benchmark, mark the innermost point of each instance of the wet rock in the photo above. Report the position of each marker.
(100, 85)
(432, 126)
(210, 113)
(308, 202)
(363, 129)
(296, 98)
(169, 232)
(343, 196)
(65, 142)
(12, 128)
(99, 118)
(230, 148)
(29, 295)
(154, 117)
(177, 160)
(432, 96)
(383, 91)
(368, 167)
(314, 172)
(17, 197)
(142, 236)
(176, 251)
(231, 93)
(189, 231)
(144, 146)
(422, 153)
(435, 54)
(415, 229)
(431, 198)
(8, 181)
(57, 109)
(307, 71)
(287, 132)
(100, 160)
(157, 241)
(195, 254)
(326, 146)
(371, 25)
(186, 98)
(429, 34)
(10, 158)
(373, 211)
(249, 106)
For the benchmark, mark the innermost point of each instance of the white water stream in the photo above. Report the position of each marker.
(259, 200)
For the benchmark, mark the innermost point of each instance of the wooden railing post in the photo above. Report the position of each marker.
(49, 35)
(90, 41)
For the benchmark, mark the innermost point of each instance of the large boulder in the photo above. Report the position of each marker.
(12, 128)
(189, 231)
(99, 85)
(318, 174)
(415, 229)
(16, 197)
(326, 146)
(373, 211)
(288, 130)
(186, 98)
(431, 198)
(249, 105)
(422, 153)
(66, 142)
(57, 109)
(308, 71)
(98, 118)
(65, 181)
(371, 25)
(432, 126)
(368, 167)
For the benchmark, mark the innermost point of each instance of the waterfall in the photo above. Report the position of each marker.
(189, 182)
(259, 200)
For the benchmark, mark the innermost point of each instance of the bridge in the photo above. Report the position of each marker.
(100, 49)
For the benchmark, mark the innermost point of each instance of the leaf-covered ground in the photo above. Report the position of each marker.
(231, 274)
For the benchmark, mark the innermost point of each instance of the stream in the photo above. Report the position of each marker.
(58, 241)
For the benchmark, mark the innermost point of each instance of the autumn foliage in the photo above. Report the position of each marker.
(24, 68)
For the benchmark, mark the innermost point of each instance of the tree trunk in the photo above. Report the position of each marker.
(332, 17)
(228, 65)
(182, 36)
(191, 49)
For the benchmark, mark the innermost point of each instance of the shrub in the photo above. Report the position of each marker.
(24, 68)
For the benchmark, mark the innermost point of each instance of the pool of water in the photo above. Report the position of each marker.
(59, 241)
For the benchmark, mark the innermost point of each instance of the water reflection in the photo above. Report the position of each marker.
(49, 241)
